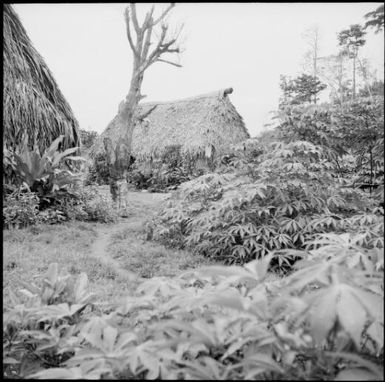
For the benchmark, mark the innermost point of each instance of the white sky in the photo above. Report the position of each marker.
(245, 46)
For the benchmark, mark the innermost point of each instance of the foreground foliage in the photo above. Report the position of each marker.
(324, 321)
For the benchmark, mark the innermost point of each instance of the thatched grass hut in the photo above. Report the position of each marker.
(202, 126)
(33, 105)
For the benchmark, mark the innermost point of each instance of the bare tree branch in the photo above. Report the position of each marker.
(147, 43)
(163, 15)
(148, 22)
(127, 18)
(134, 18)
(155, 52)
(168, 62)
(147, 113)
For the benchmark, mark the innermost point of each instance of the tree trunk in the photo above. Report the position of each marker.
(113, 176)
(124, 145)
(371, 171)
(354, 77)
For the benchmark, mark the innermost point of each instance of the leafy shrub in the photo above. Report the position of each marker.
(20, 208)
(35, 330)
(52, 216)
(90, 205)
(50, 175)
(158, 176)
(98, 172)
(323, 322)
(88, 138)
(140, 175)
(43, 173)
(279, 200)
(354, 128)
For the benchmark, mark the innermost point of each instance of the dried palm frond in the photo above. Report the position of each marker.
(33, 105)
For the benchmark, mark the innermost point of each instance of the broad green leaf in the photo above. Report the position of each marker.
(217, 270)
(355, 374)
(109, 338)
(52, 273)
(376, 332)
(59, 373)
(53, 147)
(80, 289)
(225, 301)
(259, 267)
(263, 361)
(10, 361)
(351, 315)
(59, 156)
(323, 314)
(373, 303)
(76, 158)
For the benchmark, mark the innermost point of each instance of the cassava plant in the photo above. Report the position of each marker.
(279, 201)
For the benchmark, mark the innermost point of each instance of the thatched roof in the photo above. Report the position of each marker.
(195, 123)
(32, 102)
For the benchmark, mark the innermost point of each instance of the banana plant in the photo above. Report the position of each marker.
(45, 174)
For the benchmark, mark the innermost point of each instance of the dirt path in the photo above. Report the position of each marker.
(99, 249)
(142, 206)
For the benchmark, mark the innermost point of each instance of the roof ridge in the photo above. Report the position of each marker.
(218, 93)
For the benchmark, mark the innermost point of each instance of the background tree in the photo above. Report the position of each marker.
(376, 88)
(302, 89)
(369, 78)
(286, 85)
(352, 39)
(333, 71)
(312, 38)
(375, 19)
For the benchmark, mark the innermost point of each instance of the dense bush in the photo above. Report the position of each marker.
(157, 177)
(48, 173)
(49, 176)
(98, 172)
(88, 138)
(92, 205)
(323, 322)
(20, 208)
(276, 200)
(355, 128)
(49, 180)
(167, 172)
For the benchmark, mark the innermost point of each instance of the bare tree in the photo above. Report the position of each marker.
(151, 41)
(333, 71)
(312, 38)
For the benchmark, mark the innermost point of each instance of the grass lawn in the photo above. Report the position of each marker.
(28, 252)
(146, 258)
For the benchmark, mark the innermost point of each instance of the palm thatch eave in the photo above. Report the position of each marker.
(33, 104)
